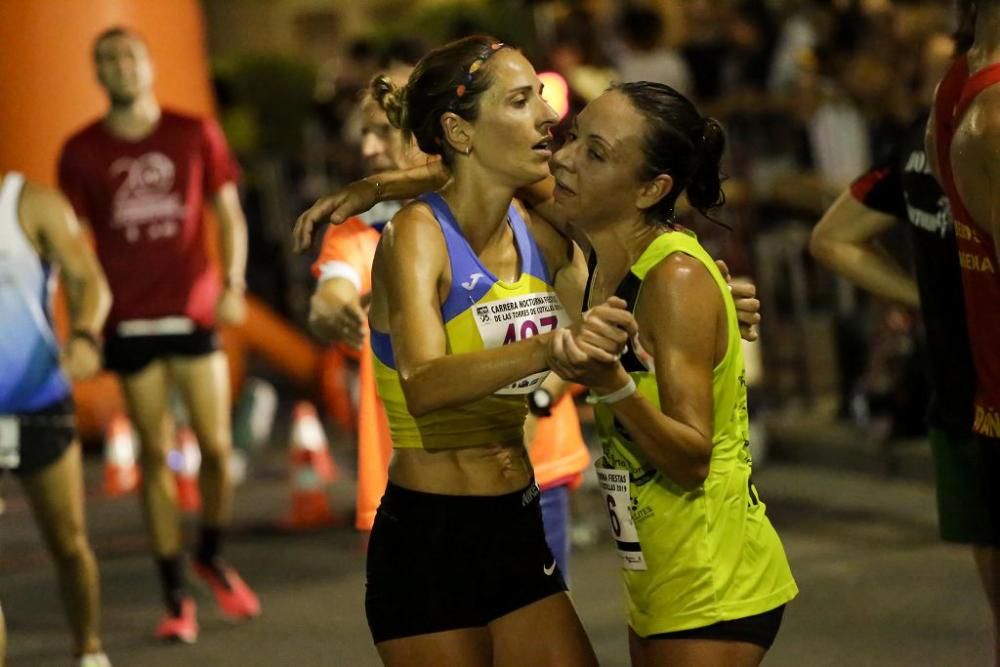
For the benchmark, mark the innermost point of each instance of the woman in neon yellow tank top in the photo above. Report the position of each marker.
(705, 574)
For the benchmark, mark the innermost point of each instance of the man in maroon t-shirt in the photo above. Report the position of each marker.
(141, 176)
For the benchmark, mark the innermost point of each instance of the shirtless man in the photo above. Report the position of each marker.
(963, 143)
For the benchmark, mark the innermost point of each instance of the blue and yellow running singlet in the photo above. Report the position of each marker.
(481, 312)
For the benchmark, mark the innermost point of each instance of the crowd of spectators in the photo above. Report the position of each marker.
(810, 92)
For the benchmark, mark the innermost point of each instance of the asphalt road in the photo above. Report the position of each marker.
(878, 587)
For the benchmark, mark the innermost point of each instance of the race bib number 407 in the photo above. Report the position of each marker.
(517, 318)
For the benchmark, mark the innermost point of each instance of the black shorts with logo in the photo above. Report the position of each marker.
(439, 562)
(43, 436)
(127, 355)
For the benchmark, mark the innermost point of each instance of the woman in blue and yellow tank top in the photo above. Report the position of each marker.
(467, 290)
(701, 561)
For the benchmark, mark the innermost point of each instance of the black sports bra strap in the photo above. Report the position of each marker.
(591, 265)
(628, 291)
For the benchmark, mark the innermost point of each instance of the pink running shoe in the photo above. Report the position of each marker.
(183, 628)
(234, 597)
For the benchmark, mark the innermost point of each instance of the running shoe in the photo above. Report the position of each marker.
(236, 600)
(97, 659)
(183, 628)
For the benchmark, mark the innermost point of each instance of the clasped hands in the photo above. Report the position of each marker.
(588, 353)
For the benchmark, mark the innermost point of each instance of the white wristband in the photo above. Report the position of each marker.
(617, 395)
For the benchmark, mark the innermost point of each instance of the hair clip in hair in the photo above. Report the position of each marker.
(473, 68)
(476, 65)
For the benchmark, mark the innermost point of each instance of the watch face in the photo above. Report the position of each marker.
(541, 398)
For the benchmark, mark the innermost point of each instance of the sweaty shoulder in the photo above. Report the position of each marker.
(680, 266)
(415, 230)
(411, 252)
(679, 277)
(679, 305)
(978, 136)
(557, 247)
(987, 114)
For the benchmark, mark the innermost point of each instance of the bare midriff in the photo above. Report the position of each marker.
(485, 470)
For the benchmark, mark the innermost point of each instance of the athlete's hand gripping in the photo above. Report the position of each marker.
(746, 301)
(600, 336)
(571, 362)
(355, 199)
(604, 331)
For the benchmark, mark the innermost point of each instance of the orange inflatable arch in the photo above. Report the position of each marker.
(48, 90)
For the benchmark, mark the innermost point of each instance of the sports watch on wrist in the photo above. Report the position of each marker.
(540, 402)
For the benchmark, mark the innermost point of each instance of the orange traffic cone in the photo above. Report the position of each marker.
(185, 462)
(121, 474)
(311, 470)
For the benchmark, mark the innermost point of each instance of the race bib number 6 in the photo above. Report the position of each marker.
(614, 485)
(518, 318)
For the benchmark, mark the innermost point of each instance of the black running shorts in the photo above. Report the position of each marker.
(43, 436)
(127, 355)
(438, 562)
(760, 629)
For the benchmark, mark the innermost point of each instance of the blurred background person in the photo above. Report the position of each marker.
(40, 237)
(578, 52)
(338, 310)
(962, 142)
(902, 189)
(645, 56)
(139, 178)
